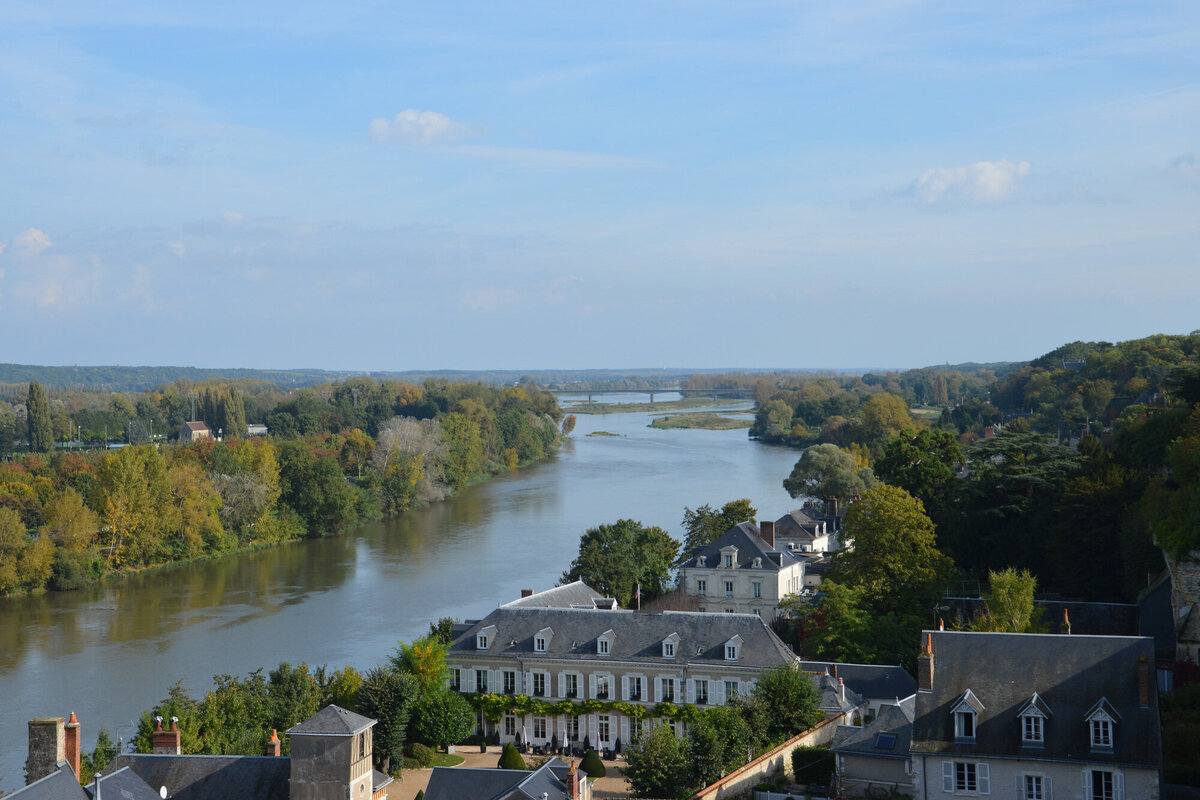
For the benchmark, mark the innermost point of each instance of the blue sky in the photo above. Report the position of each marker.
(519, 185)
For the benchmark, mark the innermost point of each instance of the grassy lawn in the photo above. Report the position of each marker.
(705, 420)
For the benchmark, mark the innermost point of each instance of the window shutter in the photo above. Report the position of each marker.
(1087, 783)
(1049, 789)
(1020, 795)
(528, 685)
(1119, 785)
(718, 692)
(947, 776)
(983, 777)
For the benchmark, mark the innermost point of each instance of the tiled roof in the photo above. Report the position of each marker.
(637, 636)
(872, 681)
(749, 547)
(333, 720)
(1069, 673)
(195, 426)
(571, 595)
(889, 735)
(477, 783)
(211, 777)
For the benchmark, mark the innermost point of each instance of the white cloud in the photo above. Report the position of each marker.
(414, 127)
(177, 248)
(980, 182)
(32, 241)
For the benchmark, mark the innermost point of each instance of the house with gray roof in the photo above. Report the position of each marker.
(747, 570)
(554, 780)
(874, 758)
(609, 655)
(576, 594)
(878, 685)
(1036, 716)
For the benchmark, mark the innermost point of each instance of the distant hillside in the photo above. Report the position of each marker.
(140, 379)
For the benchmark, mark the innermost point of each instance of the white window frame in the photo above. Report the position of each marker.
(731, 690)
(603, 728)
(1033, 729)
(603, 687)
(456, 679)
(602, 646)
(728, 561)
(756, 590)
(1090, 789)
(636, 687)
(668, 689)
(1102, 733)
(510, 682)
(668, 650)
(539, 644)
(731, 652)
(1033, 787)
(956, 777)
(539, 727)
(701, 691)
(539, 678)
(702, 586)
(962, 719)
(481, 681)
(481, 641)
(729, 588)
(510, 723)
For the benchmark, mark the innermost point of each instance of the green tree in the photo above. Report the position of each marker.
(1009, 602)
(592, 766)
(826, 470)
(616, 558)
(884, 415)
(425, 660)
(12, 543)
(891, 557)
(924, 465)
(656, 765)
(98, 760)
(443, 630)
(387, 696)
(789, 700)
(40, 428)
(442, 718)
(705, 525)
(510, 758)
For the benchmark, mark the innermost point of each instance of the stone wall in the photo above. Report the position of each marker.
(47, 747)
(772, 762)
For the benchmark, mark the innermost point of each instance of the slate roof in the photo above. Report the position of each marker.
(892, 720)
(637, 636)
(1087, 619)
(571, 595)
(1156, 617)
(467, 783)
(798, 525)
(58, 785)
(210, 777)
(872, 681)
(829, 695)
(1070, 674)
(333, 721)
(749, 546)
(123, 784)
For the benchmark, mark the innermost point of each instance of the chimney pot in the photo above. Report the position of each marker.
(527, 593)
(274, 748)
(167, 742)
(1066, 622)
(925, 665)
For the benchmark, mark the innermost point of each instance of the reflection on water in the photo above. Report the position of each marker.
(109, 652)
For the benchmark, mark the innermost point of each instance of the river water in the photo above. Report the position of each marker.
(110, 652)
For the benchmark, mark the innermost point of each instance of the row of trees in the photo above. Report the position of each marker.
(70, 517)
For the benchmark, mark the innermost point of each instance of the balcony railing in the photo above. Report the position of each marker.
(602, 694)
(572, 692)
(635, 695)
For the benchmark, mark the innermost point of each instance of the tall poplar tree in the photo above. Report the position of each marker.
(37, 409)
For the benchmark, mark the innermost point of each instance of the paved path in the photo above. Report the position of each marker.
(611, 785)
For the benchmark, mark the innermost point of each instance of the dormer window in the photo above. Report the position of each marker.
(539, 645)
(728, 561)
(732, 647)
(1033, 716)
(758, 563)
(700, 561)
(669, 644)
(966, 716)
(729, 557)
(1101, 720)
(484, 637)
(541, 639)
(604, 643)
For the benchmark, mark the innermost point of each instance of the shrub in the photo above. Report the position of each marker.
(592, 765)
(420, 755)
(510, 758)
(812, 765)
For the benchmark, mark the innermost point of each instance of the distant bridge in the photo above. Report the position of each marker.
(714, 393)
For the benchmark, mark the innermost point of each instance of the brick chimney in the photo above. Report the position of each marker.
(925, 665)
(833, 670)
(47, 747)
(766, 529)
(1143, 670)
(274, 748)
(573, 782)
(72, 744)
(831, 506)
(167, 742)
(527, 593)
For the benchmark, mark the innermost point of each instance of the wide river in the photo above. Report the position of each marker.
(111, 652)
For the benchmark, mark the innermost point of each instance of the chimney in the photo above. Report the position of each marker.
(766, 530)
(1143, 682)
(72, 744)
(573, 782)
(842, 689)
(273, 747)
(833, 670)
(1066, 623)
(527, 593)
(46, 747)
(831, 506)
(167, 742)
(941, 624)
(925, 665)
